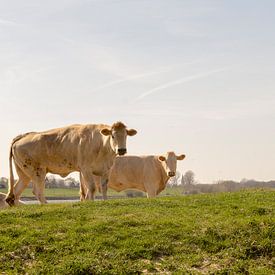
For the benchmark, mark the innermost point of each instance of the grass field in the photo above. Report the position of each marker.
(224, 233)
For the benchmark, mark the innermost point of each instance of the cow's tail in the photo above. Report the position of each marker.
(10, 196)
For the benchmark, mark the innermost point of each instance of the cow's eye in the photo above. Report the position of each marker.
(113, 137)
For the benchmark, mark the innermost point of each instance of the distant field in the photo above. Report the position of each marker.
(74, 192)
(51, 192)
(226, 233)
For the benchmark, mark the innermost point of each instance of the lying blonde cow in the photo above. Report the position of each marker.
(89, 149)
(146, 173)
(3, 203)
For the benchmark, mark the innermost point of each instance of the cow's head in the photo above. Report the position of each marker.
(118, 136)
(169, 163)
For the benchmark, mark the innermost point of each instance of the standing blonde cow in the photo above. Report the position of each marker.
(89, 149)
(146, 173)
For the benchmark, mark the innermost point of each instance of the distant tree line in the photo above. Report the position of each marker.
(50, 182)
(4, 182)
(191, 186)
(57, 182)
(226, 186)
(187, 182)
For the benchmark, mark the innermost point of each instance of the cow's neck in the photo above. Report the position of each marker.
(106, 153)
(107, 148)
(164, 176)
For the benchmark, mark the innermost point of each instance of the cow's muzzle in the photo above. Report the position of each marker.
(171, 174)
(122, 151)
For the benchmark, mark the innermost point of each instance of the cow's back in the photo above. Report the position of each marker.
(60, 150)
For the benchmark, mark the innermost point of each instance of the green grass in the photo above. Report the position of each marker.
(225, 233)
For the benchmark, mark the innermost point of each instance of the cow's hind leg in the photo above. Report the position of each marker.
(39, 185)
(19, 187)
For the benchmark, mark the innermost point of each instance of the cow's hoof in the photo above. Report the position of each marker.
(10, 200)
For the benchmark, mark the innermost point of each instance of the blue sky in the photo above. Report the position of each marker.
(196, 77)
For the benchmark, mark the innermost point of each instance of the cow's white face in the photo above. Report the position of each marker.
(169, 163)
(118, 137)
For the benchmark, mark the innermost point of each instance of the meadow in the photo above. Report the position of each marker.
(225, 233)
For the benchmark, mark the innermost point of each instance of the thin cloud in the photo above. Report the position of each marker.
(13, 78)
(8, 22)
(33, 73)
(132, 77)
(178, 81)
(138, 76)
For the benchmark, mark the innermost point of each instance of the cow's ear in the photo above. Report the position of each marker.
(131, 132)
(106, 132)
(161, 158)
(181, 157)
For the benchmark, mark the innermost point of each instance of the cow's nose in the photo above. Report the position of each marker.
(122, 151)
(171, 174)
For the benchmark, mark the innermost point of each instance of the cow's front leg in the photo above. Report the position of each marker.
(38, 181)
(151, 193)
(104, 187)
(82, 188)
(88, 184)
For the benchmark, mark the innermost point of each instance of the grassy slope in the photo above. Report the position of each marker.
(230, 232)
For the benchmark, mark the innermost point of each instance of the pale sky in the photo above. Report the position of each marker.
(195, 77)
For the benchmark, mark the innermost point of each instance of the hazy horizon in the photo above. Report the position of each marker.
(194, 77)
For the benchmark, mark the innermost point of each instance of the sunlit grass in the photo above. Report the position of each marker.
(219, 233)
